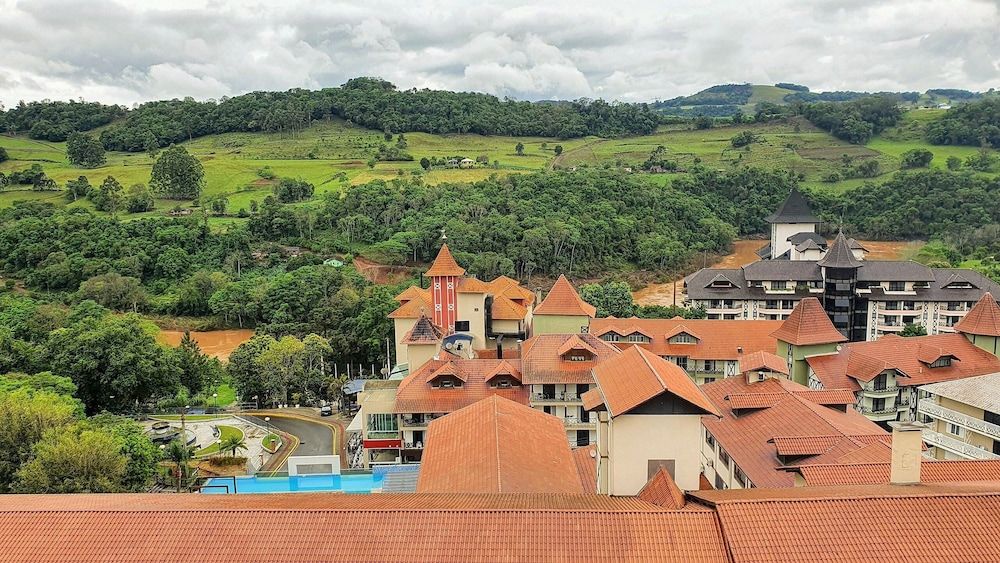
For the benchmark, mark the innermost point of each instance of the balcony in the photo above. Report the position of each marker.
(956, 446)
(539, 398)
(886, 413)
(935, 410)
(871, 390)
(899, 309)
(903, 403)
(891, 327)
(417, 421)
(573, 423)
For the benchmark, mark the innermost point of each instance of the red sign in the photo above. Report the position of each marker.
(376, 444)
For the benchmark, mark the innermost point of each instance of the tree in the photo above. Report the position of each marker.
(917, 158)
(139, 199)
(3, 154)
(953, 162)
(233, 443)
(75, 189)
(71, 460)
(177, 175)
(141, 454)
(179, 453)
(611, 299)
(84, 150)
(282, 366)
(114, 291)
(703, 122)
(219, 205)
(743, 139)
(109, 196)
(558, 150)
(913, 329)
(425, 163)
(290, 190)
(519, 149)
(196, 369)
(245, 371)
(27, 417)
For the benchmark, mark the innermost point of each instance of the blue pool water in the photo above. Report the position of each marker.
(362, 483)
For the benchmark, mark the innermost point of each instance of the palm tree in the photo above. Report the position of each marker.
(179, 453)
(233, 443)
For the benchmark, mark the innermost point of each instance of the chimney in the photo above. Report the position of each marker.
(906, 453)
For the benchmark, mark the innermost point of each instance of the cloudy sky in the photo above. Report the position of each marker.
(130, 51)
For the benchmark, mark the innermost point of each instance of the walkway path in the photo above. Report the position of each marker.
(317, 435)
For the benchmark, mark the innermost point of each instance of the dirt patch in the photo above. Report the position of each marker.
(217, 343)
(891, 249)
(263, 182)
(381, 273)
(744, 252)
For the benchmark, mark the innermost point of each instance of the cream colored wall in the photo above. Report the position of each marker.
(420, 354)
(634, 439)
(559, 324)
(781, 232)
(401, 327)
(506, 326)
(972, 437)
(470, 308)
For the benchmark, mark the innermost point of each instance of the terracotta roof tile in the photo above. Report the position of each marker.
(543, 360)
(983, 319)
(762, 360)
(446, 369)
(416, 306)
(505, 309)
(638, 375)
(750, 437)
(857, 473)
(717, 339)
(562, 299)
(445, 264)
(828, 397)
(661, 490)
(592, 399)
(744, 401)
(863, 361)
(472, 285)
(808, 324)
(482, 449)
(504, 368)
(804, 445)
(416, 395)
(585, 458)
(511, 289)
(423, 332)
(413, 292)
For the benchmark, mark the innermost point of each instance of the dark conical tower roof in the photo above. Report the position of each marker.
(795, 209)
(840, 254)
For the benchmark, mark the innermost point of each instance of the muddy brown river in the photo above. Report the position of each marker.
(218, 343)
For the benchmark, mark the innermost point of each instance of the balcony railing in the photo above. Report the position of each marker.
(556, 397)
(871, 388)
(879, 412)
(942, 413)
(574, 421)
(940, 440)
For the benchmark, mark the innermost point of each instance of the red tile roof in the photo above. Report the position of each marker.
(416, 305)
(330, 527)
(423, 332)
(762, 360)
(837, 524)
(661, 490)
(592, 399)
(783, 416)
(445, 264)
(446, 369)
(585, 458)
(413, 292)
(828, 397)
(983, 319)
(878, 473)
(497, 446)
(511, 289)
(808, 324)
(717, 339)
(415, 394)
(472, 285)
(506, 309)
(542, 359)
(637, 376)
(562, 299)
(863, 361)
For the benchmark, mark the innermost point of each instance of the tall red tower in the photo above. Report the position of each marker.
(444, 274)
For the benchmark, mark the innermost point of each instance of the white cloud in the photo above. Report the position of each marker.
(124, 52)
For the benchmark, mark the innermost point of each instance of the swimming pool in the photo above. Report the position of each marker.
(360, 483)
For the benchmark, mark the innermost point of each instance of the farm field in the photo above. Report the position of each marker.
(334, 154)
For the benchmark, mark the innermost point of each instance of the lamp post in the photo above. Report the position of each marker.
(215, 401)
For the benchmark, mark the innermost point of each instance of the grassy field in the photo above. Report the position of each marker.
(225, 433)
(333, 154)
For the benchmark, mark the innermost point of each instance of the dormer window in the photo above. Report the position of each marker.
(959, 285)
(779, 285)
(683, 338)
(942, 362)
(897, 286)
(638, 337)
(722, 283)
(577, 357)
(611, 337)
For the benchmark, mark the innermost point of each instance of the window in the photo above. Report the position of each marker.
(955, 429)
(943, 361)
(723, 458)
(637, 337)
(878, 405)
(771, 304)
(611, 337)
(779, 285)
(719, 485)
(682, 362)
(740, 477)
(709, 380)
(881, 382)
(461, 326)
(577, 357)
(897, 286)
(382, 422)
(709, 365)
(447, 384)
(683, 338)
(710, 440)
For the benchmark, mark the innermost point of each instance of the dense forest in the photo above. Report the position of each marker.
(369, 102)
(976, 124)
(856, 121)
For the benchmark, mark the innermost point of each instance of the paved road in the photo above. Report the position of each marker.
(315, 439)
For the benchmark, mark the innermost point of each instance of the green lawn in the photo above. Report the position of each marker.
(268, 440)
(225, 432)
(227, 395)
(188, 418)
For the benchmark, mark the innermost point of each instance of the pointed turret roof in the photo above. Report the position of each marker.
(564, 300)
(983, 319)
(445, 264)
(423, 332)
(840, 254)
(808, 324)
(795, 209)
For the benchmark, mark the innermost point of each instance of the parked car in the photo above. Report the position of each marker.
(326, 410)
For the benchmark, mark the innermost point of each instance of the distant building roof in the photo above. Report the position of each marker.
(661, 490)
(982, 392)
(799, 238)
(563, 299)
(863, 361)
(808, 324)
(795, 209)
(840, 255)
(776, 417)
(716, 339)
(983, 319)
(638, 375)
(497, 446)
(542, 362)
(424, 331)
(417, 395)
(585, 458)
(763, 360)
(445, 264)
(878, 473)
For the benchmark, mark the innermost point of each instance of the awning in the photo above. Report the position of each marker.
(356, 425)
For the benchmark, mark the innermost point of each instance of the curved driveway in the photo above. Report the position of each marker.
(315, 438)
